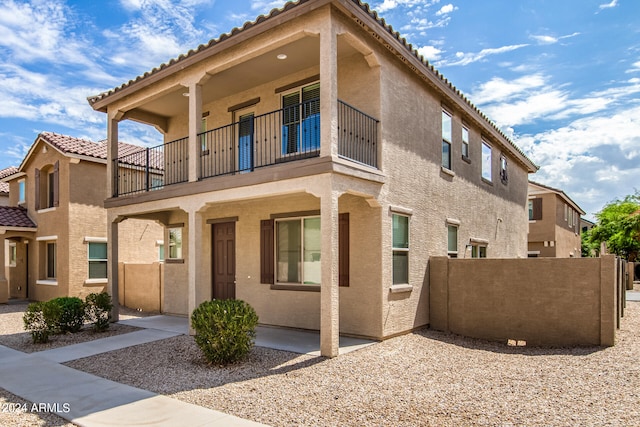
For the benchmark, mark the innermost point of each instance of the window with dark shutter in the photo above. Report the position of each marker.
(266, 251)
(56, 184)
(537, 209)
(343, 249)
(37, 194)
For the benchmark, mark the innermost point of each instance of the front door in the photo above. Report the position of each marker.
(224, 260)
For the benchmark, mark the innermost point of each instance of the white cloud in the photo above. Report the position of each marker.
(498, 89)
(265, 6)
(547, 39)
(431, 53)
(387, 5)
(446, 9)
(635, 67)
(463, 58)
(610, 5)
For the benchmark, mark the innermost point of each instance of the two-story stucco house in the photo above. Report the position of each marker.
(554, 223)
(54, 231)
(312, 163)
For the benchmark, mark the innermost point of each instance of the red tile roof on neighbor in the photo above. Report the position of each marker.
(15, 217)
(4, 186)
(84, 147)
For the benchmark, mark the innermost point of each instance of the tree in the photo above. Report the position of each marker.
(619, 227)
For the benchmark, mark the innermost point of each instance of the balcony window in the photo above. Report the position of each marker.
(301, 120)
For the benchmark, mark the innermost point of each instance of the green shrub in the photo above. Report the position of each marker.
(98, 310)
(70, 314)
(40, 319)
(225, 330)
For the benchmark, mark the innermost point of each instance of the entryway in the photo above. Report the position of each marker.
(223, 238)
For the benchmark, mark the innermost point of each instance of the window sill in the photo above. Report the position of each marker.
(295, 287)
(96, 282)
(447, 171)
(47, 282)
(174, 261)
(395, 289)
(486, 181)
(466, 159)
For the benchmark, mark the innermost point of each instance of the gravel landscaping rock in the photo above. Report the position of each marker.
(423, 378)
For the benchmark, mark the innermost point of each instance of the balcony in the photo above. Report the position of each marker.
(286, 135)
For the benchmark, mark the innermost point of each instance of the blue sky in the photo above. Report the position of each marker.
(561, 77)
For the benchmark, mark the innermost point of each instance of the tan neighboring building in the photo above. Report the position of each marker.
(312, 163)
(554, 223)
(4, 187)
(54, 231)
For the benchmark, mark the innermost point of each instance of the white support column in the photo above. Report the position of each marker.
(329, 290)
(194, 260)
(112, 267)
(329, 90)
(4, 283)
(195, 123)
(112, 149)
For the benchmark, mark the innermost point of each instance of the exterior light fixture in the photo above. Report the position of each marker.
(281, 56)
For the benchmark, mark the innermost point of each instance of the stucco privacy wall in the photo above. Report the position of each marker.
(548, 302)
(141, 286)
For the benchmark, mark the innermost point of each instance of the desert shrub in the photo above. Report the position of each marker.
(98, 310)
(70, 314)
(225, 330)
(40, 319)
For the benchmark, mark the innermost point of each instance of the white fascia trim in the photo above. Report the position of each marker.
(48, 282)
(453, 221)
(401, 210)
(46, 238)
(88, 239)
(480, 241)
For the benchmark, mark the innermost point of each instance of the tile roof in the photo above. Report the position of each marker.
(290, 5)
(4, 186)
(15, 217)
(84, 147)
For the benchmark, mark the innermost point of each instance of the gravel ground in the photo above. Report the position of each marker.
(13, 335)
(423, 378)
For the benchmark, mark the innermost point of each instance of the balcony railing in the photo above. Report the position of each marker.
(285, 135)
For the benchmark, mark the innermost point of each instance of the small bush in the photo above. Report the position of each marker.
(70, 314)
(98, 310)
(225, 330)
(40, 319)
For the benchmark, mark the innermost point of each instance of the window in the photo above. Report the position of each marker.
(97, 260)
(13, 254)
(446, 140)
(301, 120)
(175, 243)
(503, 169)
(51, 260)
(478, 251)
(535, 209)
(160, 245)
(298, 251)
(400, 249)
(21, 191)
(486, 161)
(452, 241)
(47, 186)
(465, 142)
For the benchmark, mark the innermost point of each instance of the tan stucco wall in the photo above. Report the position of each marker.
(549, 302)
(561, 240)
(141, 286)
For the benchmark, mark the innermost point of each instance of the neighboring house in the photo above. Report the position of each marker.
(554, 223)
(55, 227)
(4, 187)
(312, 163)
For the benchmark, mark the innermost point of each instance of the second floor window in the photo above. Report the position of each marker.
(465, 142)
(22, 192)
(446, 140)
(486, 161)
(301, 120)
(47, 187)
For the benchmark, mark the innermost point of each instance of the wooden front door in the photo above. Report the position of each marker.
(224, 260)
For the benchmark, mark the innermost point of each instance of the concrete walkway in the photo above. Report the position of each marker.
(88, 400)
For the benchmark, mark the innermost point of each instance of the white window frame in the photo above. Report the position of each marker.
(406, 250)
(465, 142)
(504, 164)
(12, 254)
(89, 241)
(299, 90)
(486, 167)
(161, 250)
(452, 253)
(22, 191)
(46, 241)
(301, 262)
(446, 139)
(176, 245)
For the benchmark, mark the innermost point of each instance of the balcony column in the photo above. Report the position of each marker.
(329, 290)
(194, 261)
(113, 118)
(328, 90)
(195, 124)
(112, 266)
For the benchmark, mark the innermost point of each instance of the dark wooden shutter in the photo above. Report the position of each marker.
(537, 209)
(266, 251)
(37, 192)
(343, 249)
(56, 184)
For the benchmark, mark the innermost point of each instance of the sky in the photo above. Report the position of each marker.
(560, 77)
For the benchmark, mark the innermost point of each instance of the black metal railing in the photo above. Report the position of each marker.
(285, 135)
(152, 168)
(357, 135)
